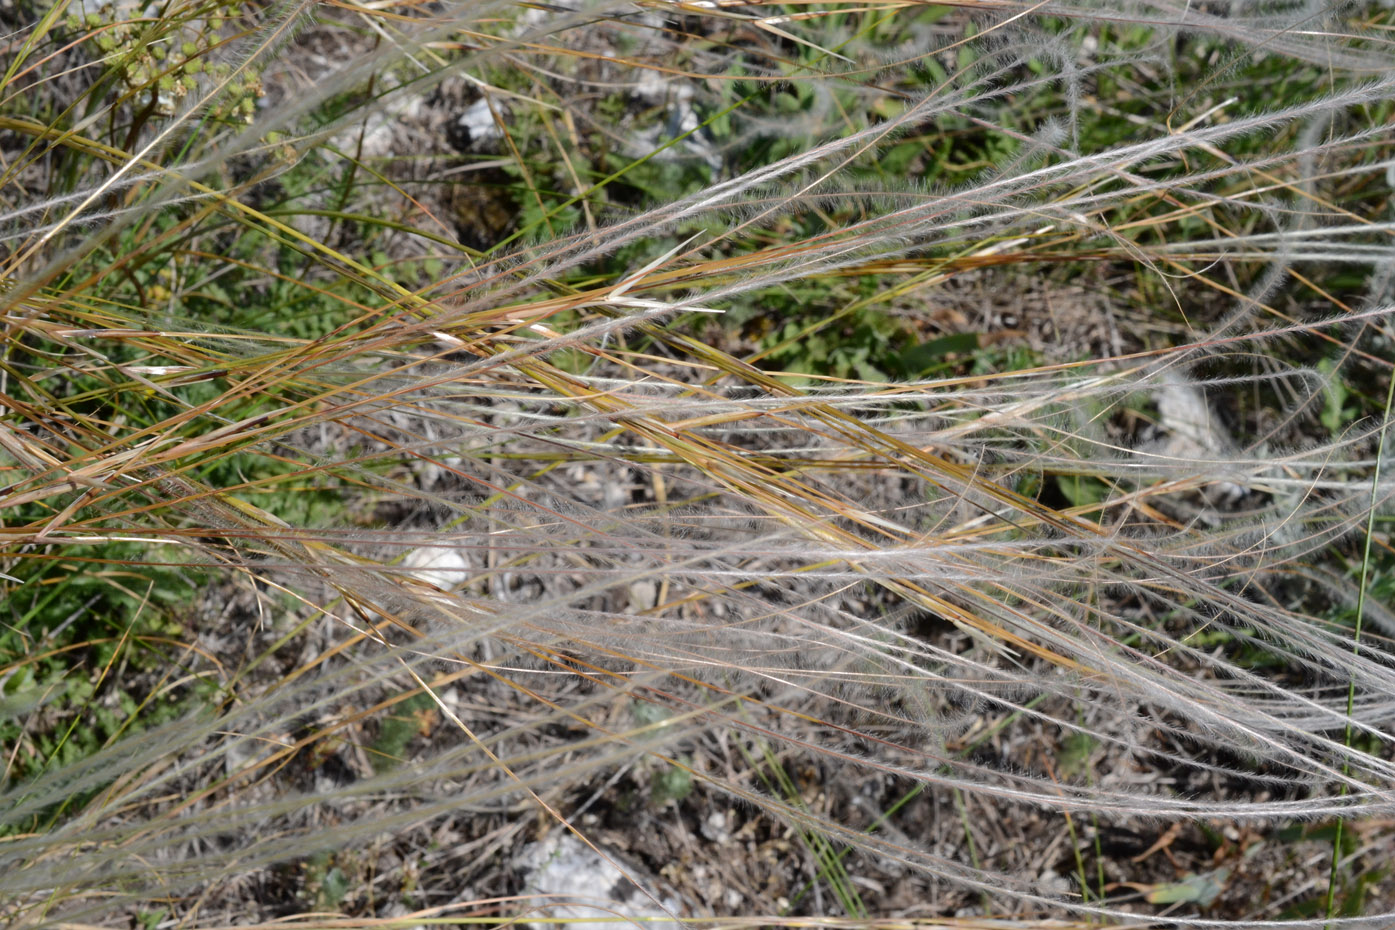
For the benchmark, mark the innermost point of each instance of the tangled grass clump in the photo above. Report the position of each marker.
(325, 531)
